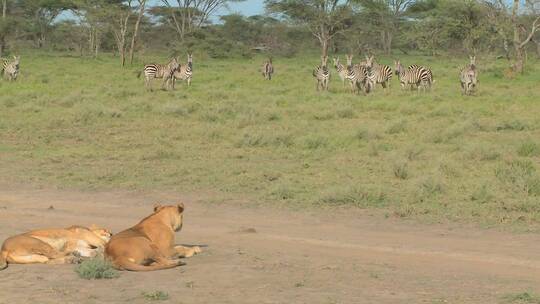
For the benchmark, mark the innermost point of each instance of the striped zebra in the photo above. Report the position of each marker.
(358, 76)
(154, 70)
(341, 69)
(184, 72)
(322, 74)
(468, 77)
(379, 73)
(430, 80)
(414, 76)
(11, 68)
(268, 69)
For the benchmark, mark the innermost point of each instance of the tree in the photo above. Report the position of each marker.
(385, 16)
(519, 41)
(142, 4)
(189, 15)
(120, 14)
(324, 18)
(40, 15)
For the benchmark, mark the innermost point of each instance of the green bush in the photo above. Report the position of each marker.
(96, 268)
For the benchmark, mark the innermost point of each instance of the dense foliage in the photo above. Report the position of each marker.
(88, 27)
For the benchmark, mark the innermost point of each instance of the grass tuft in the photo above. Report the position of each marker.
(95, 269)
(157, 295)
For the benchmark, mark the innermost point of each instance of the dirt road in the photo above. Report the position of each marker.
(259, 255)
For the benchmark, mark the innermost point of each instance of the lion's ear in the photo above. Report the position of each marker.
(180, 207)
(157, 207)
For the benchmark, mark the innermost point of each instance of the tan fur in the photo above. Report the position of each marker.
(149, 245)
(53, 246)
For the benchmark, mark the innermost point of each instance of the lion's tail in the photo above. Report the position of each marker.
(130, 266)
(3, 260)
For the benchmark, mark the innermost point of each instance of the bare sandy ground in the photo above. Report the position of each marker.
(260, 255)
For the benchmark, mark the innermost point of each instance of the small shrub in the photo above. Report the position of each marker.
(364, 134)
(522, 298)
(520, 175)
(316, 142)
(481, 195)
(529, 149)
(283, 192)
(401, 170)
(514, 125)
(346, 113)
(398, 127)
(157, 295)
(96, 268)
(353, 196)
(413, 153)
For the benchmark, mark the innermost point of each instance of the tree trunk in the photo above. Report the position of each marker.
(518, 66)
(2, 35)
(324, 47)
(136, 31)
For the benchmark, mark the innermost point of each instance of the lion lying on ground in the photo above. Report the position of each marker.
(149, 245)
(54, 246)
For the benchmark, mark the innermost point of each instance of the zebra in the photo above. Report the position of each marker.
(414, 76)
(184, 72)
(11, 68)
(468, 76)
(268, 69)
(341, 69)
(358, 76)
(430, 80)
(154, 70)
(379, 73)
(322, 74)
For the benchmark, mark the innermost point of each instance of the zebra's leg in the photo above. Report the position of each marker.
(147, 83)
(189, 81)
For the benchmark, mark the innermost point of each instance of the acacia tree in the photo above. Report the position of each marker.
(188, 15)
(142, 4)
(120, 14)
(40, 15)
(325, 18)
(520, 41)
(386, 16)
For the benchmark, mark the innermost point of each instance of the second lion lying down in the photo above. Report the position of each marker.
(54, 246)
(149, 245)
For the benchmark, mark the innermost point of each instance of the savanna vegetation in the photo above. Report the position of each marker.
(76, 118)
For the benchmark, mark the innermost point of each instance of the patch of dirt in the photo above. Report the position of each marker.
(264, 255)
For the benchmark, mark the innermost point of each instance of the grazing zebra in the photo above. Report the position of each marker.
(268, 69)
(341, 69)
(358, 76)
(184, 72)
(322, 74)
(154, 70)
(468, 77)
(11, 68)
(380, 73)
(414, 76)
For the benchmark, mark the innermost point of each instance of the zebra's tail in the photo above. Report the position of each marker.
(314, 73)
(139, 74)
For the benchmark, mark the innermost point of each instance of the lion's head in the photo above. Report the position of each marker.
(175, 213)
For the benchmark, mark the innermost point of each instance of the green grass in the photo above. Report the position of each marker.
(439, 156)
(157, 295)
(521, 298)
(96, 268)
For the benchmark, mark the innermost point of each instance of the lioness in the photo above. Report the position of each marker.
(53, 246)
(149, 245)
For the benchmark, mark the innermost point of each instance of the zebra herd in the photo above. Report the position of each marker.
(10, 68)
(169, 72)
(365, 75)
